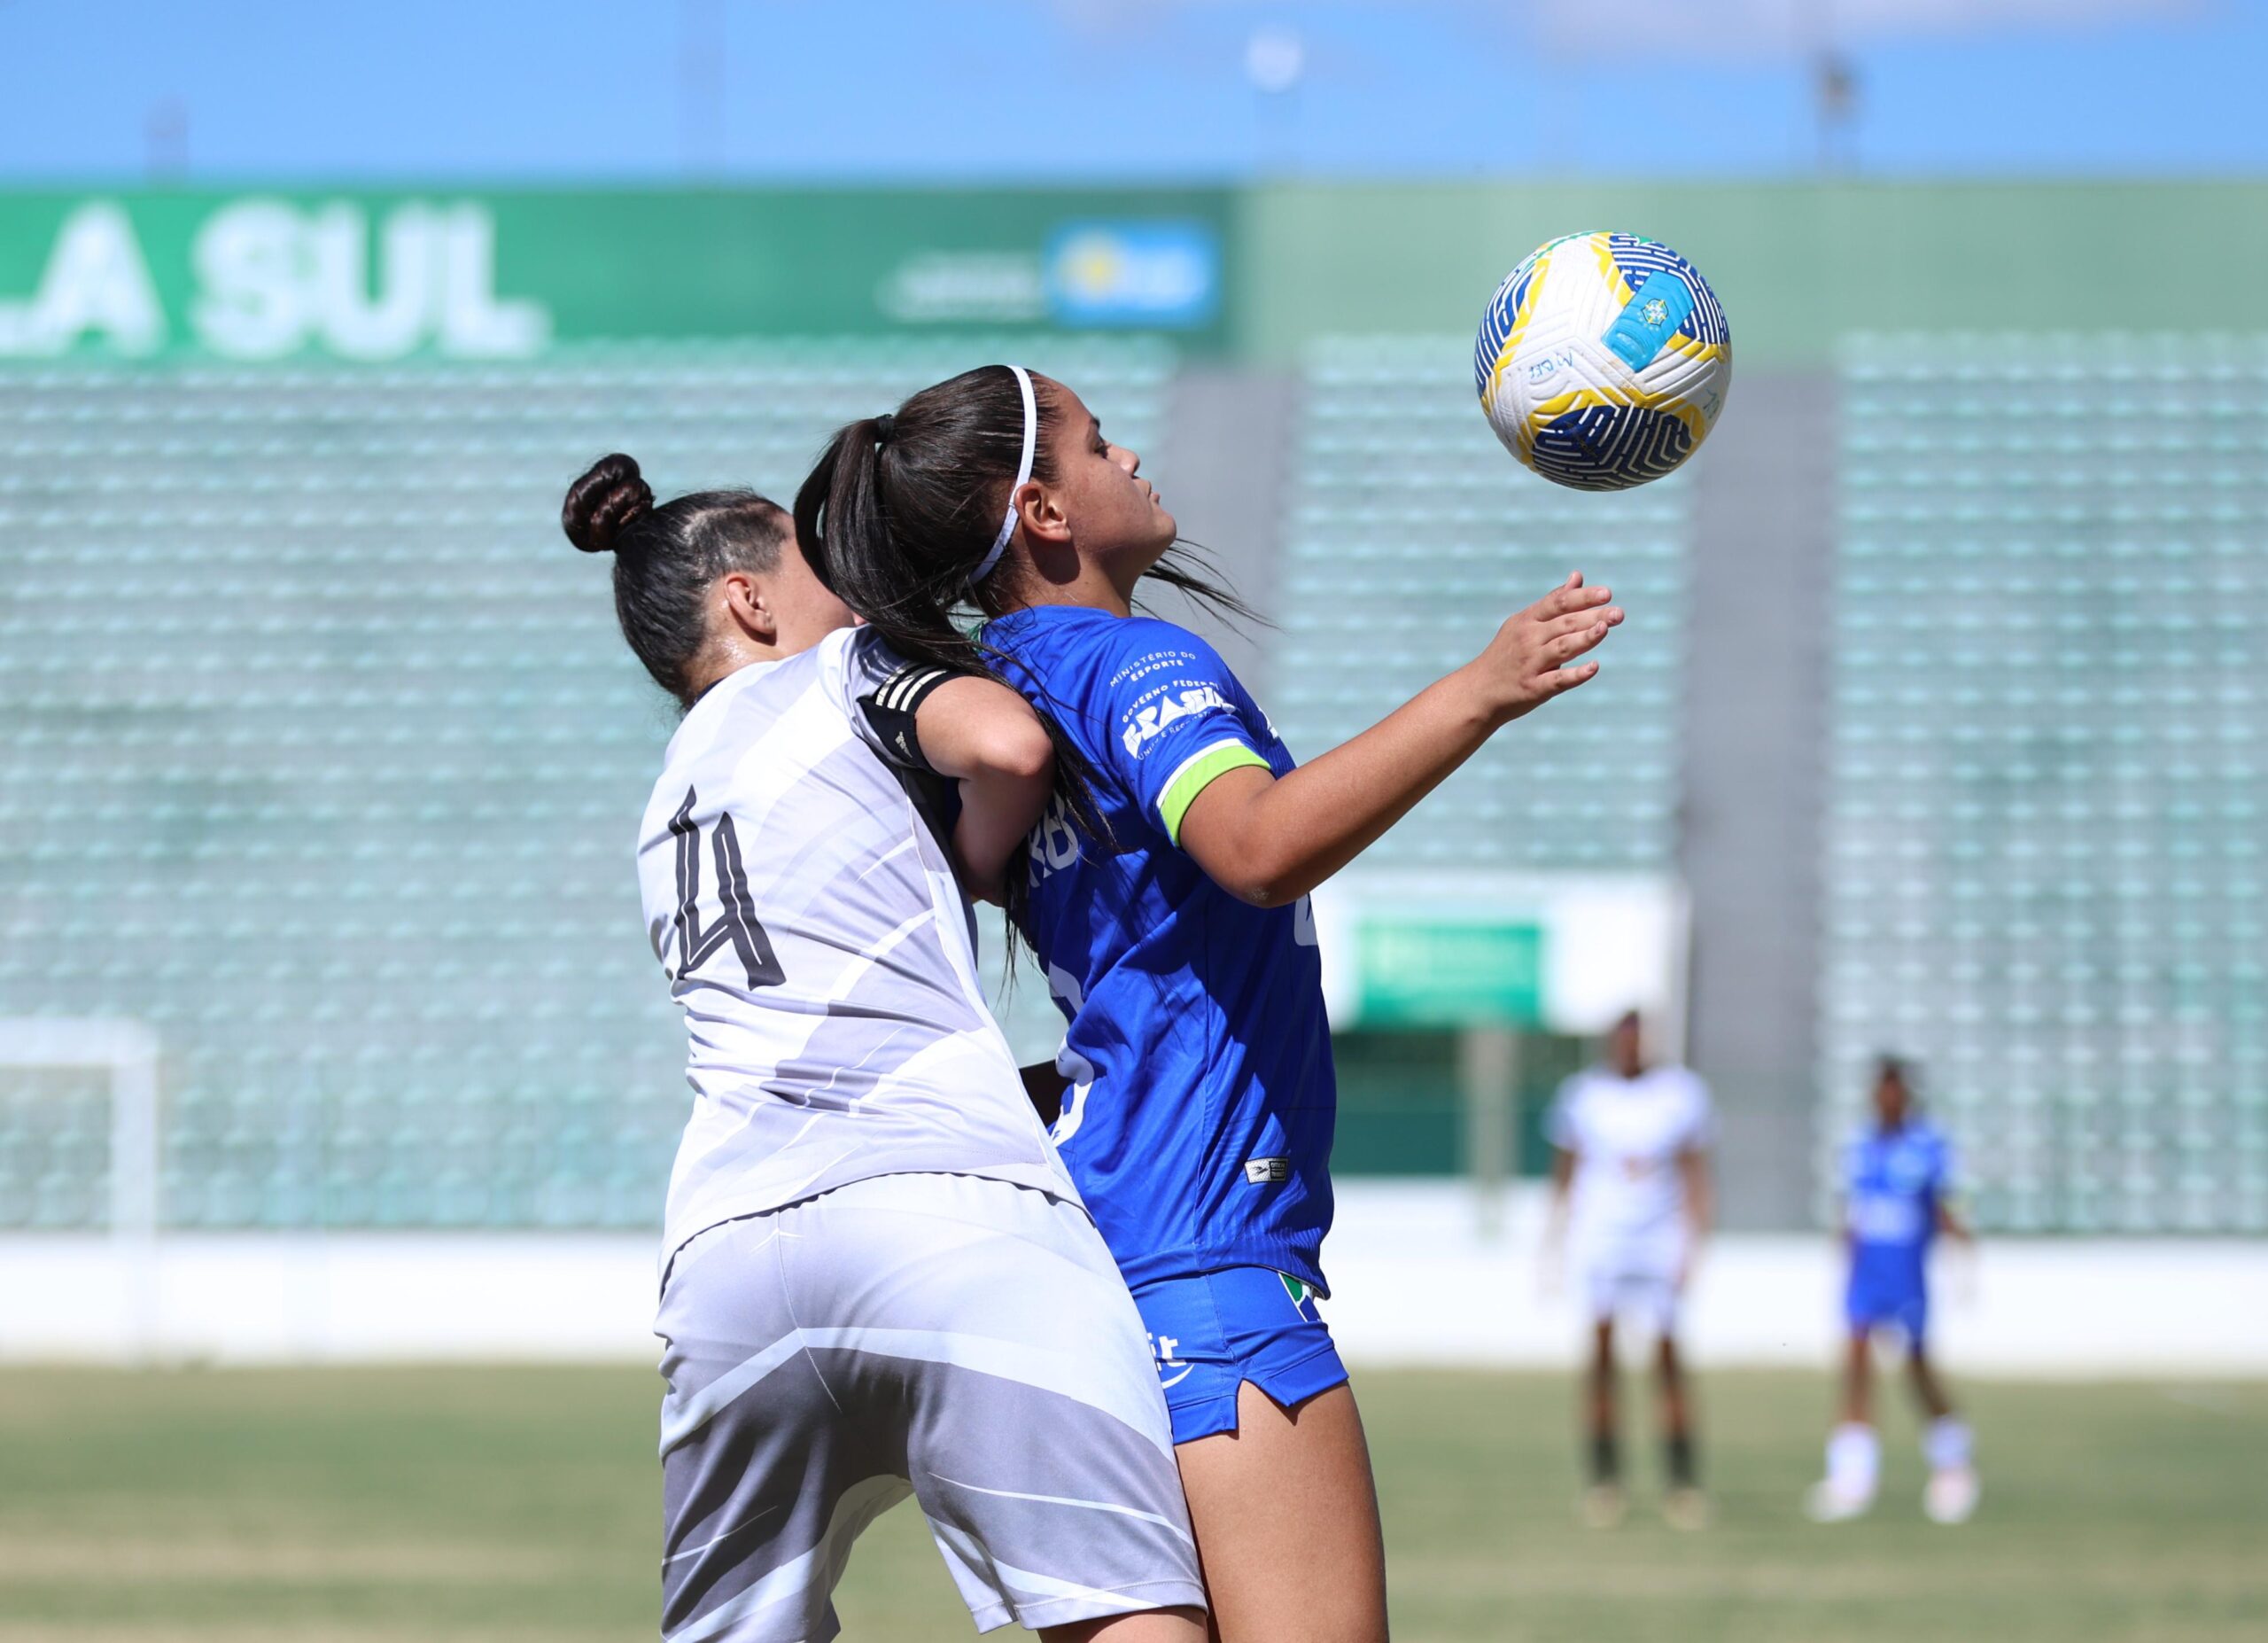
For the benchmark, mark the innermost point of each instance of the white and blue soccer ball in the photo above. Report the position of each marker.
(1603, 361)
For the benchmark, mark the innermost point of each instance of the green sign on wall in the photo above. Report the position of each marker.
(1257, 273)
(1438, 972)
(505, 276)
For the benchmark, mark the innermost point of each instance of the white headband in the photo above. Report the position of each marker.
(1023, 478)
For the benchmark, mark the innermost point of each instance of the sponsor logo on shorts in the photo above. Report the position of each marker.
(1267, 1171)
(1171, 1370)
(1302, 1294)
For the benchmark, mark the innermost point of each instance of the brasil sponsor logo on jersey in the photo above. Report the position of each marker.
(1144, 724)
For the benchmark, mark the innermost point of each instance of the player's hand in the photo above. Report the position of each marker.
(1532, 659)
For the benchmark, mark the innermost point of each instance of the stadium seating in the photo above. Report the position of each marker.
(1411, 535)
(321, 753)
(2045, 873)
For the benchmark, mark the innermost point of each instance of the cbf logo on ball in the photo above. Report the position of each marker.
(1603, 361)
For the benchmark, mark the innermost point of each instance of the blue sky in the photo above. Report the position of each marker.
(702, 89)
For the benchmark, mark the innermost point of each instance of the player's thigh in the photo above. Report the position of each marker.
(1155, 1626)
(766, 1483)
(991, 1319)
(1287, 1522)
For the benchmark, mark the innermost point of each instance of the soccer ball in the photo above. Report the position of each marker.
(1603, 361)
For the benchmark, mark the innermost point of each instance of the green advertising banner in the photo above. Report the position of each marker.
(382, 277)
(1448, 972)
(1257, 273)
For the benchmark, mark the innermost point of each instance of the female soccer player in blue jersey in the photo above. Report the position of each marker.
(1169, 908)
(1896, 1175)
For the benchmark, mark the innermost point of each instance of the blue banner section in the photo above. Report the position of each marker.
(1142, 274)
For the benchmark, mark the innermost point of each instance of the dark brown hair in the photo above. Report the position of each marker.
(902, 509)
(667, 558)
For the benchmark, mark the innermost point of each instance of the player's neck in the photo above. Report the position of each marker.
(1090, 589)
(727, 657)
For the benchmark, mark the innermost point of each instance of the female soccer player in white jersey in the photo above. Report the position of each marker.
(1630, 1176)
(1167, 899)
(876, 1278)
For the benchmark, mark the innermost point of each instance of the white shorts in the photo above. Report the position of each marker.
(961, 1339)
(1632, 1277)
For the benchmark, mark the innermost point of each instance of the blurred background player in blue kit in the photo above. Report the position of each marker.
(1631, 1203)
(1897, 1176)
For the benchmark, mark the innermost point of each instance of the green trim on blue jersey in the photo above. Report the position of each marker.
(1197, 773)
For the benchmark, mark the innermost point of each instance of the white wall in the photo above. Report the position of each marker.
(1415, 1282)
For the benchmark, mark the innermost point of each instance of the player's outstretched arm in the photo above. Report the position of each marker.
(986, 738)
(1271, 841)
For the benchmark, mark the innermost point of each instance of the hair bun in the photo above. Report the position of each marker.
(605, 500)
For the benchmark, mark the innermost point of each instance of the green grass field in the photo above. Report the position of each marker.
(432, 1505)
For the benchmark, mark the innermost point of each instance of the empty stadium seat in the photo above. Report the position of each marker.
(2042, 836)
(321, 753)
(1411, 534)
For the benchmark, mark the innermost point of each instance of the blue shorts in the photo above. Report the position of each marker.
(1902, 1306)
(1212, 1333)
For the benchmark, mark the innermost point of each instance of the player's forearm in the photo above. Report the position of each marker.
(998, 809)
(1276, 840)
(1700, 1198)
(987, 738)
(1563, 1192)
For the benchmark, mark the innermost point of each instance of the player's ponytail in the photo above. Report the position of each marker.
(904, 513)
(667, 558)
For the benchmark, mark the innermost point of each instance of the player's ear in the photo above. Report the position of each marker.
(748, 606)
(1039, 510)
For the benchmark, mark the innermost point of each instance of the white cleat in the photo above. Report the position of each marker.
(1824, 1503)
(1951, 1496)
(1686, 1508)
(1602, 1506)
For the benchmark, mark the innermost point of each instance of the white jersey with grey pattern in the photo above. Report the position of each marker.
(810, 927)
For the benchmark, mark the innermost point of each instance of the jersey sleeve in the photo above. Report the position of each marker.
(1851, 1163)
(1560, 1127)
(1171, 709)
(881, 692)
(1699, 1132)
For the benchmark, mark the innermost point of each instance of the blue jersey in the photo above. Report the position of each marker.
(1893, 1180)
(1199, 1121)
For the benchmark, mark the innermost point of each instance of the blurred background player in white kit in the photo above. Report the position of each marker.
(1631, 1200)
(1898, 1173)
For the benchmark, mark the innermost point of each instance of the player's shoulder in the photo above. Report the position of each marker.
(1578, 1086)
(1929, 1139)
(1580, 1093)
(1689, 1087)
(1142, 651)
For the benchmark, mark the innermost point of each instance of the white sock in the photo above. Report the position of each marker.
(1946, 1444)
(1854, 1457)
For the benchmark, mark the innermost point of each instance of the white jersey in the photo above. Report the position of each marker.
(1625, 1135)
(811, 926)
